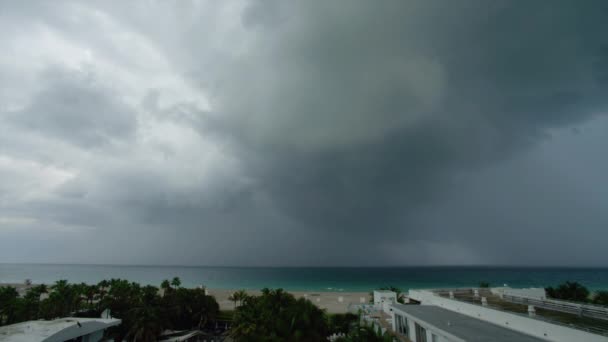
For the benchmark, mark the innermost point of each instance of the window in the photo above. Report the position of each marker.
(434, 338)
(420, 333)
(401, 324)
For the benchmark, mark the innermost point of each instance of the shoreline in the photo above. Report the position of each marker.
(332, 301)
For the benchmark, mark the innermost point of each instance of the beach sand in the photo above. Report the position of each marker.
(333, 302)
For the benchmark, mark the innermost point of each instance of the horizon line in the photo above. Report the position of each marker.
(310, 266)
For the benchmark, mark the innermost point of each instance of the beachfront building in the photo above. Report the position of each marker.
(58, 330)
(493, 315)
(383, 299)
(429, 323)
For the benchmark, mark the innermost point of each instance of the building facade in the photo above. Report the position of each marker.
(429, 323)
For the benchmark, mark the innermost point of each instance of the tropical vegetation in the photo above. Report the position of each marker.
(145, 311)
(238, 297)
(601, 297)
(342, 323)
(276, 315)
(574, 291)
(570, 290)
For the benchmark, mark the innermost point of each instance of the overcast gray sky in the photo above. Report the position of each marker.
(304, 132)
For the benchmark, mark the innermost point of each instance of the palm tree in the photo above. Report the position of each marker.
(8, 304)
(64, 298)
(91, 292)
(30, 304)
(206, 309)
(102, 291)
(146, 325)
(277, 316)
(240, 296)
(176, 282)
(233, 298)
(42, 288)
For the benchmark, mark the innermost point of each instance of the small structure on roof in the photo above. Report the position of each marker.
(383, 299)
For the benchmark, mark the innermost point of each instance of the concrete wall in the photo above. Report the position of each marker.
(93, 337)
(534, 327)
(533, 292)
(440, 338)
(411, 329)
(384, 296)
(441, 335)
(431, 330)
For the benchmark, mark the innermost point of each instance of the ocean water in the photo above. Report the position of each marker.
(310, 278)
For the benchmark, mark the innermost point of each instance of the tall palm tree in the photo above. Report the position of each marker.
(240, 296)
(176, 282)
(91, 293)
(165, 285)
(42, 288)
(277, 316)
(30, 304)
(8, 304)
(102, 291)
(146, 324)
(206, 309)
(233, 298)
(65, 298)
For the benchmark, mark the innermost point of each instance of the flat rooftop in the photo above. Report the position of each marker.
(593, 325)
(462, 326)
(41, 330)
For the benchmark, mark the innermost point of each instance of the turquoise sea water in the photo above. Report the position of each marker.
(310, 278)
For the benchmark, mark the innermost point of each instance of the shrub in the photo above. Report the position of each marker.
(569, 291)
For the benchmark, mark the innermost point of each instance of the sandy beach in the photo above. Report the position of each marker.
(333, 302)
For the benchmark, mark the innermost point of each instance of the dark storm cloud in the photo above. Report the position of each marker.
(302, 132)
(74, 107)
(353, 115)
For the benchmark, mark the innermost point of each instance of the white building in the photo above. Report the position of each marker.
(441, 318)
(429, 323)
(58, 330)
(383, 299)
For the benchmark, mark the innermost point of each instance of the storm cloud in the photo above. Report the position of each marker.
(304, 132)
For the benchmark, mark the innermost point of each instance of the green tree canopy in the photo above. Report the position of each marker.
(144, 313)
(601, 297)
(278, 316)
(8, 305)
(342, 323)
(569, 291)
